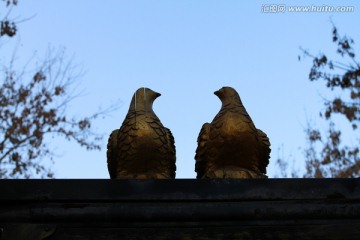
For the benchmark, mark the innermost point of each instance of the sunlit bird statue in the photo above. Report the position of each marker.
(142, 148)
(231, 146)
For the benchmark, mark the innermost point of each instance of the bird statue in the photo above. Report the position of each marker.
(142, 148)
(231, 146)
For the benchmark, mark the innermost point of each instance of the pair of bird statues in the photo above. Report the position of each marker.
(228, 147)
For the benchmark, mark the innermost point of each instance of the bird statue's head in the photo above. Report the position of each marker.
(143, 99)
(228, 95)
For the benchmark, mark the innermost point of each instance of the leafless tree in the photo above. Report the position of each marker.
(33, 106)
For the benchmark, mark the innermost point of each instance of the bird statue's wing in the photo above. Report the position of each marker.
(126, 145)
(112, 153)
(265, 151)
(200, 164)
(165, 140)
(172, 152)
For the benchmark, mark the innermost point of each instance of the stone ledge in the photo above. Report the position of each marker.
(181, 209)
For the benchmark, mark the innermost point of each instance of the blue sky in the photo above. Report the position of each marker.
(185, 50)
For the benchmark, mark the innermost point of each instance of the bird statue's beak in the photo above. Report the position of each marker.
(157, 94)
(217, 93)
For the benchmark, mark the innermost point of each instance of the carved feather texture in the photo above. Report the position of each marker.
(231, 146)
(112, 153)
(145, 149)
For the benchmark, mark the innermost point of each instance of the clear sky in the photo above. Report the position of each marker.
(185, 50)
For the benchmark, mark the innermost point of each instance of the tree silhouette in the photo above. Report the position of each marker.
(8, 28)
(334, 158)
(33, 106)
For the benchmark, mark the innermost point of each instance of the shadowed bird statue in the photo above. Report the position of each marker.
(142, 148)
(230, 146)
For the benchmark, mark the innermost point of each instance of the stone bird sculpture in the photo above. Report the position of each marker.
(142, 148)
(231, 146)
